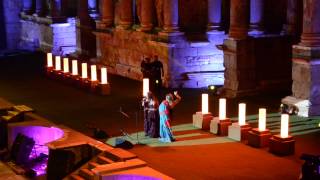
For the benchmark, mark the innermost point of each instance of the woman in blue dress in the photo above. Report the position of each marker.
(169, 103)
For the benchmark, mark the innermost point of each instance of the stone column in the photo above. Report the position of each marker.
(93, 8)
(214, 15)
(171, 16)
(311, 23)
(306, 63)
(86, 40)
(256, 17)
(55, 9)
(126, 16)
(239, 19)
(106, 8)
(41, 7)
(147, 13)
(294, 11)
(28, 7)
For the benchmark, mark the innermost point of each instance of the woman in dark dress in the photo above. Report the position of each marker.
(151, 115)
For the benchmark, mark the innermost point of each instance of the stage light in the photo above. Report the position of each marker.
(205, 106)
(104, 76)
(242, 114)
(211, 87)
(262, 119)
(319, 125)
(58, 63)
(93, 73)
(74, 67)
(284, 126)
(84, 71)
(65, 65)
(157, 81)
(222, 108)
(49, 60)
(145, 86)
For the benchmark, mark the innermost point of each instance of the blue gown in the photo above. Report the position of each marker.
(165, 128)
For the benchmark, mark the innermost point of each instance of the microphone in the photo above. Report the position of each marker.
(123, 113)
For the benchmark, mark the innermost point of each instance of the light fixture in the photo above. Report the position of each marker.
(205, 106)
(84, 71)
(222, 108)
(93, 73)
(262, 119)
(58, 63)
(74, 67)
(104, 76)
(49, 60)
(145, 87)
(284, 126)
(65, 65)
(242, 114)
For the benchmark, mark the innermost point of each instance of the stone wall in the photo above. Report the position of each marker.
(11, 10)
(40, 33)
(187, 63)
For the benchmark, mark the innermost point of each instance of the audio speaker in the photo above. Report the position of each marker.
(124, 144)
(21, 149)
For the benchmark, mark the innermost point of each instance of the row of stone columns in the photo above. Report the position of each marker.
(53, 8)
(168, 9)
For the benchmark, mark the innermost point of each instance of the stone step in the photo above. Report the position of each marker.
(92, 165)
(76, 177)
(7, 118)
(13, 113)
(118, 154)
(86, 173)
(104, 160)
(22, 108)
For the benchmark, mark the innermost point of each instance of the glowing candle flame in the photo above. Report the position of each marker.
(222, 108)
(65, 65)
(74, 67)
(145, 86)
(262, 119)
(58, 63)
(205, 106)
(104, 76)
(284, 125)
(242, 114)
(84, 70)
(49, 60)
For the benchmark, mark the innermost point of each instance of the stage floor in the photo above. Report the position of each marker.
(191, 158)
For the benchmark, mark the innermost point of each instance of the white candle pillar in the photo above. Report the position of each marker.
(222, 108)
(145, 86)
(262, 119)
(65, 65)
(74, 67)
(49, 60)
(242, 114)
(58, 63)
(84, 71)
(284, 126)
(93, 73)
(104, 76)
(205, 106)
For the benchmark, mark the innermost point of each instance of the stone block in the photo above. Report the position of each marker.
(103, 89)
(202, 121)
(258, 138)
(282, 146)
(220, 127)
(237, 132)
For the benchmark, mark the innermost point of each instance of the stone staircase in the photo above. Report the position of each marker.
(16, 113)
(107, 162)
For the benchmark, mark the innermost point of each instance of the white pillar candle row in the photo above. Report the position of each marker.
(242, 114)
(205, 101)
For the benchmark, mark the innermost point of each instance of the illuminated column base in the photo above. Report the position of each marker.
(282, 146)
(202, 121)
(103, 89)
(220, 126)
(258, 138)
(237, 132)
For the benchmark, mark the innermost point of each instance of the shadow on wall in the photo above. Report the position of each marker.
(2, 27)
